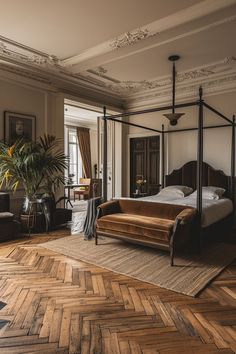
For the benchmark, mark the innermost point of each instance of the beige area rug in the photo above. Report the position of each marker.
(189, 275)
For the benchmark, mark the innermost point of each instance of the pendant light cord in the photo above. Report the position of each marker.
(173, 90)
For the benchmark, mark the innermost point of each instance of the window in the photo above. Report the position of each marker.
(75, 161)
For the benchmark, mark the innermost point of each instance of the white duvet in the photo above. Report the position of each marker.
(212, 210)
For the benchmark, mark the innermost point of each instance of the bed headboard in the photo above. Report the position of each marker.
(187, 176)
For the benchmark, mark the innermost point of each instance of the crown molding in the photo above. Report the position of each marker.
(47, 72)
(46, 69)
(215, 78)
(50, 82)
(141, 90)
(12, 51)
(215, 86)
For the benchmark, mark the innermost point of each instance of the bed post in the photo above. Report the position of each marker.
(200, 153)
(104, 175)
(233, 159)
(162, 156)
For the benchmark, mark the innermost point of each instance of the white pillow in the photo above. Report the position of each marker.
(178, 191)
(211, 192)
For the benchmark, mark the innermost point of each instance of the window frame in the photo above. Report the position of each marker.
(79, 169)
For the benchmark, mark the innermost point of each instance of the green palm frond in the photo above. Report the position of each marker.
(36, 165)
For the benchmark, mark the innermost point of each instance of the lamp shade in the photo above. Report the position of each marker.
(173, 117)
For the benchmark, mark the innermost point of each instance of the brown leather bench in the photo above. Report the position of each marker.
(164, 226)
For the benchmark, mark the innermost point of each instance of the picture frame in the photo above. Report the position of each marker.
(18, 125)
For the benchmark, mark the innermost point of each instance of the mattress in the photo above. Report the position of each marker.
(212, 210)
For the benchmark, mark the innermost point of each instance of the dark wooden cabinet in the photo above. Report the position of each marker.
(145, 161)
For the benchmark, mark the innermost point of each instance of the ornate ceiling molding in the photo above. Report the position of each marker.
(129, 39)
(129, 88)
(12, 51)
(100, 59)
(49, 71)
(230, 60)
(100, 71)
(211, 87)
(50, 81)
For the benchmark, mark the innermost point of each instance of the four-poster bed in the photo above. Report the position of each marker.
(198, 173)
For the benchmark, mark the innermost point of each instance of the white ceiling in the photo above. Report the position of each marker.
(200, 49)
(67, 28)
(117, 51)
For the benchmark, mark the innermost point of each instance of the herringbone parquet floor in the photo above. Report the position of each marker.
(59, 305)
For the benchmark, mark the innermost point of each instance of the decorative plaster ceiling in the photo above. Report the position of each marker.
(68, 28)
(116, 52)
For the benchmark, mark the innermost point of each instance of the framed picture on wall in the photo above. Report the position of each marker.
(17, 125)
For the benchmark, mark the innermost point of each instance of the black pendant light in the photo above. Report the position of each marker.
(173, 117)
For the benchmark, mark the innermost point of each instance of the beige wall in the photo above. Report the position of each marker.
(49, 111)
(182, 147)
(47, 107)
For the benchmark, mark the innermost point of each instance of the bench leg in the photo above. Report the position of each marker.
(96, 238)
(171, 256)
(172, 241)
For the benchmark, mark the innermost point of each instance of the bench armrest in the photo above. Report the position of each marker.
(108, 208)
(186, 216)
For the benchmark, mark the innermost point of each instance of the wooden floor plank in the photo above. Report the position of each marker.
(56, 304)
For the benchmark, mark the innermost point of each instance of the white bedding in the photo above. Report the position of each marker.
(212, 210)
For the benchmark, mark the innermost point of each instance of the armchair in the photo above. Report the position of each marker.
(10, 228)
(83, 190)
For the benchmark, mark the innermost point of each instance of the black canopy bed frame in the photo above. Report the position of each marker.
(195, 174)
(200, 167)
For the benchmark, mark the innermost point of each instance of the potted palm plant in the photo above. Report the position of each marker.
(36, 166)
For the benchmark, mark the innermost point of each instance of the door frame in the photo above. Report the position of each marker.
(114, 167)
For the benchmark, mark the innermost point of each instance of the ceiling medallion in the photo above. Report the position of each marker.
(130, 38)
(173, 117)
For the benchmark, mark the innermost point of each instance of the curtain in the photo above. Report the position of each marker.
(85, 150)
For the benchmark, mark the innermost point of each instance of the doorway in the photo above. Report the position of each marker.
(145, 163)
